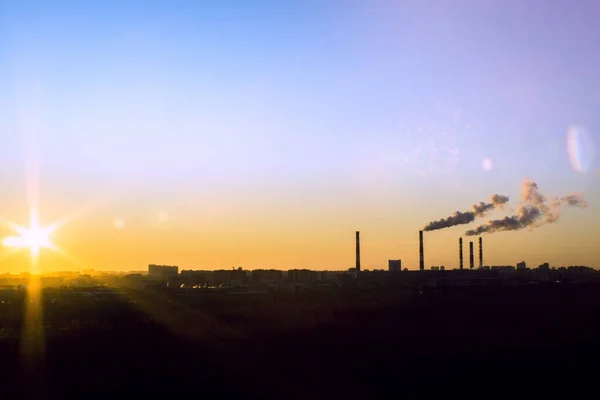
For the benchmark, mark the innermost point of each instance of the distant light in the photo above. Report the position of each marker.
(119, 223)
(487, 164)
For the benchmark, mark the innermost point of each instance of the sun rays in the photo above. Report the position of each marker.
(33, 237)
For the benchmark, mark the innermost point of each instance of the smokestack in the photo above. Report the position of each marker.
(421, 255)
(480, 252)
(460, 254)
(357, 252)
(471, 260)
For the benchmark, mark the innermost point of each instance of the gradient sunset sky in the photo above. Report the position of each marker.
(263, 134)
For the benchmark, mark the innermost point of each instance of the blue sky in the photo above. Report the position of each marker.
(371, 103)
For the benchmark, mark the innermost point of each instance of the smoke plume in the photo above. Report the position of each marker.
(461, 218)
(533, 212)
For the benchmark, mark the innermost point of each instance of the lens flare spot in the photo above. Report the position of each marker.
(487, 164)
(119, 223)
(580, 148)
(163, 217)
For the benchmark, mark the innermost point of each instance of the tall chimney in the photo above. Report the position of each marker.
(480, 252)
(460, 254)
(357, 252)
(471, 260)
(421, 255)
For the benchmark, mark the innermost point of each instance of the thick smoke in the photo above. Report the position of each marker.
(525, 217)
(461, 218)
(498, 200)
(533, 212)
(574, 200)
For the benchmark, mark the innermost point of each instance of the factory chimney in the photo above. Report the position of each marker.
(357, 252)
(421, 255)
(460, 254)
(480, 252)
(471, 260)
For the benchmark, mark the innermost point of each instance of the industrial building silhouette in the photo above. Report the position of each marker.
(245, 281)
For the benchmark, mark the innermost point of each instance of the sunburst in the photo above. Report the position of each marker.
(33, 237)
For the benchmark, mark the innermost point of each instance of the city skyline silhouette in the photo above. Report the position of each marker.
(299, 199)
(259, 135)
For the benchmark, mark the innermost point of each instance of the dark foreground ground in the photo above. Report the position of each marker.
(472, 343)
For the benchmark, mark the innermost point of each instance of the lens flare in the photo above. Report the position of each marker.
(580, 148)
(487, 164)
(163, 217)
(119, 223)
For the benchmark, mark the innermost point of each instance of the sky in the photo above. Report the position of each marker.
(263, 134)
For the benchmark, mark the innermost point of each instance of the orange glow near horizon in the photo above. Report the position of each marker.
(202, 234)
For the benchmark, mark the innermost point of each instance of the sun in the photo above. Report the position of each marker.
(34, 237)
